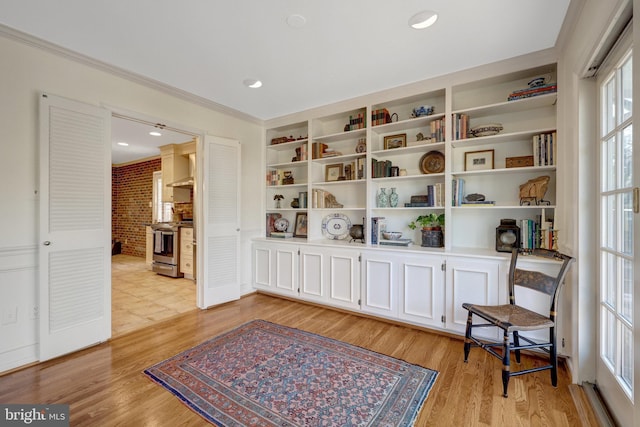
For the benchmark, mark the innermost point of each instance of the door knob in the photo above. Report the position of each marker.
(47, 243)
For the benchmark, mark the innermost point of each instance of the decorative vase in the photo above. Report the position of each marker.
(393, 198)
(383, 199)
(278, 204)
(295, 203)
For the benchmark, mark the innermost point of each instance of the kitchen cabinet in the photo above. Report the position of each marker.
(404, 286)
(330, 276)
(174, 166)
(149, 247)
(186, 252)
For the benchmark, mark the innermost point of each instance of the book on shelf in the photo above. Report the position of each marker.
(380, 116)
(378, 225)
(437, 128)
(457, 192)
(531, 92)
(460, 126)
(544, 149)
(398, 242)
(357, 122)
(281, 234)
(318, 149)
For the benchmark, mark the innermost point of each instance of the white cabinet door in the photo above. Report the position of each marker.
(379, 276)
(312, 260)
(421, 283)
(275, 268)
(342, 278)
(470, 280)
(262, 266)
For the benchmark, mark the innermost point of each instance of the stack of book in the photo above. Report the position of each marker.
(357, 122)
(457, 192)
(378, 225)
(433, 198)
(381, 168)
(537, 234)
(281, 234)
(544, 149)
(532, 91)
(437, 130)
(478, 203)
(460, 126)
(380, 117)
(318, 149)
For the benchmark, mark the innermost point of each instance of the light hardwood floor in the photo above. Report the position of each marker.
(105, 386)
(140, 297)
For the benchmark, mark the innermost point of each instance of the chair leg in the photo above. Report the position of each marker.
(553, 355)
(516, 343)
(467, 338)
(506, 368)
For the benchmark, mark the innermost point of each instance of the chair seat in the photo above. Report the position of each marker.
(510, 317)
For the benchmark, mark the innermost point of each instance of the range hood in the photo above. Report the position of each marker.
(186, 182)
(182, 183)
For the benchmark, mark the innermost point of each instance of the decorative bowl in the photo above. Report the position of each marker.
(392, 235)
(486, 130)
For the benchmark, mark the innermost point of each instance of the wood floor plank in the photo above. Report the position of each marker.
(104, 385)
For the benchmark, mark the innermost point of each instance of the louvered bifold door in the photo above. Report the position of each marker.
(75, 226)
(220, 250)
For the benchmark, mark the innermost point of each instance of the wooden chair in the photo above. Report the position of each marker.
(513, 319)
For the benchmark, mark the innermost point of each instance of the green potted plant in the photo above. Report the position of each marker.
(431, 227)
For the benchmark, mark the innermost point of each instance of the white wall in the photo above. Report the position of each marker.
(26, 71)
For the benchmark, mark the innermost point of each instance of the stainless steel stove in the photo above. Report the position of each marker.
(166, 249)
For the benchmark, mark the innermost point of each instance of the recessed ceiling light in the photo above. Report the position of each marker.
(296, 21)
(154, 133)
(424, 19)
(124, 144)
(252, 83)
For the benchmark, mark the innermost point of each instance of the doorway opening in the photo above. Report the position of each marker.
(140, 296)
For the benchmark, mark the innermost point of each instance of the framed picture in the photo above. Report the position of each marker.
(333, 172)
(478, 160)
(300, 230)
(395, 141)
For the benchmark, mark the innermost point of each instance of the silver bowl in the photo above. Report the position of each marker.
(392, 235)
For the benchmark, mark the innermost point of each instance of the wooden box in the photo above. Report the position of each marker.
(519, 162)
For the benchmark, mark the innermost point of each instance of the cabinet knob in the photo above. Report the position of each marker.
(47, 243)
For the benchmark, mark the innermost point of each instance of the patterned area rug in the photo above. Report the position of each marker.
(263, 374)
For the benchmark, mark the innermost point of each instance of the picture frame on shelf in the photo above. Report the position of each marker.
(300, 228)
(395, 141)
(333, 172)
(478, 160)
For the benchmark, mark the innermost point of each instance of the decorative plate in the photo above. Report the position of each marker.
(281, 224)
(432, 162)
(486, 130)
(336, 226)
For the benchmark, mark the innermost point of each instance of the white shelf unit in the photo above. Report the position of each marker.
(466, 228)
(280, 157)
(485, 102)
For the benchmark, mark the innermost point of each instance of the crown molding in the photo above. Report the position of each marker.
(52, 48)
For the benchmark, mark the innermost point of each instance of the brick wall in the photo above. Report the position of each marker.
(132, 190)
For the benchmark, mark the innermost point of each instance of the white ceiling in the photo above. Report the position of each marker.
(346, 48)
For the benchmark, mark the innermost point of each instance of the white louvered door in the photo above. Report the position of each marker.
(75, 226)
(219, 248)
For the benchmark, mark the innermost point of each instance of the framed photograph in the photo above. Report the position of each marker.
(478, 160)
(395, 141)
(333, 172)
(300, 230)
